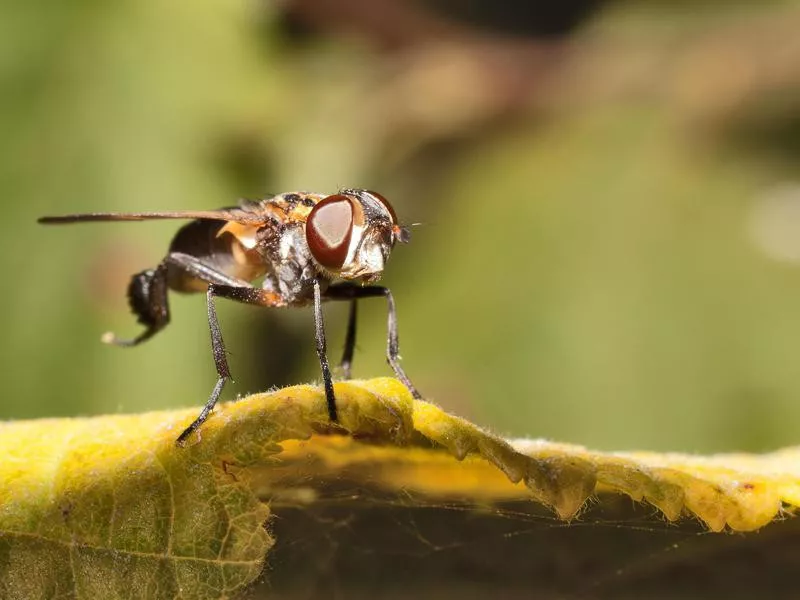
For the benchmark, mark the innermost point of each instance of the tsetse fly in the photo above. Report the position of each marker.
(307, 247)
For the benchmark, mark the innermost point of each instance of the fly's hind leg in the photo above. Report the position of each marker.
(220, 362)
(216, 280)
(147, 296)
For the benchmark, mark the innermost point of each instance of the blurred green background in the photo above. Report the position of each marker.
(608, 192)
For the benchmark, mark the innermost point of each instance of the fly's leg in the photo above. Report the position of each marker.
(223, 286)
(319, 331)
(215, 279)
(220, 362)
(147, 297)
(349, 341)
(244, 293)
(196, 267)
(260, 297)
(393, 341)
(350, 292)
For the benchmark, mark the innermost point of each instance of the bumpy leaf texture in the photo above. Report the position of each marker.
(110, 507)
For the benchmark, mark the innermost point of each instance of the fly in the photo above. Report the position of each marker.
(307, 247)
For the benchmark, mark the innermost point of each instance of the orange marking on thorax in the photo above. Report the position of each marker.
(243, 250)
(245, 234)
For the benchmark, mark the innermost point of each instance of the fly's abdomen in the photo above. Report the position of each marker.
(226, 247)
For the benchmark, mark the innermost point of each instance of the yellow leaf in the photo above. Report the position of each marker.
(110, 507)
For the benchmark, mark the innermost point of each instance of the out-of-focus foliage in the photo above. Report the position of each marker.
(110, 507)
(608, 250)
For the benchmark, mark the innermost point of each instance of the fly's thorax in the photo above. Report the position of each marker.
(292, 207)
(291, 269)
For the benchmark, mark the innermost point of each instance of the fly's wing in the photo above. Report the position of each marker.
(247, 215)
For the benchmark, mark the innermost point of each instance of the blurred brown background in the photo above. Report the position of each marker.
(609, 195)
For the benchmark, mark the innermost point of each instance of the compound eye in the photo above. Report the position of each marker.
(329, 227)
(380, 198)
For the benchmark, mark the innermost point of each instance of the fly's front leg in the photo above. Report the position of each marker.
(319, 330)
(393, 341)
(351, 292)
(349, 341)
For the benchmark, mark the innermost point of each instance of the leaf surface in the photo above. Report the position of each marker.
(110, 507)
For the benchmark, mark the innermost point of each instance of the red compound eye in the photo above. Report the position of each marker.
(329, 227)
(386, 205)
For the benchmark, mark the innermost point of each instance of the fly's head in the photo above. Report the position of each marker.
(351, 234)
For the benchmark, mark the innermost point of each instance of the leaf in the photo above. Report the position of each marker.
(110, 507)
